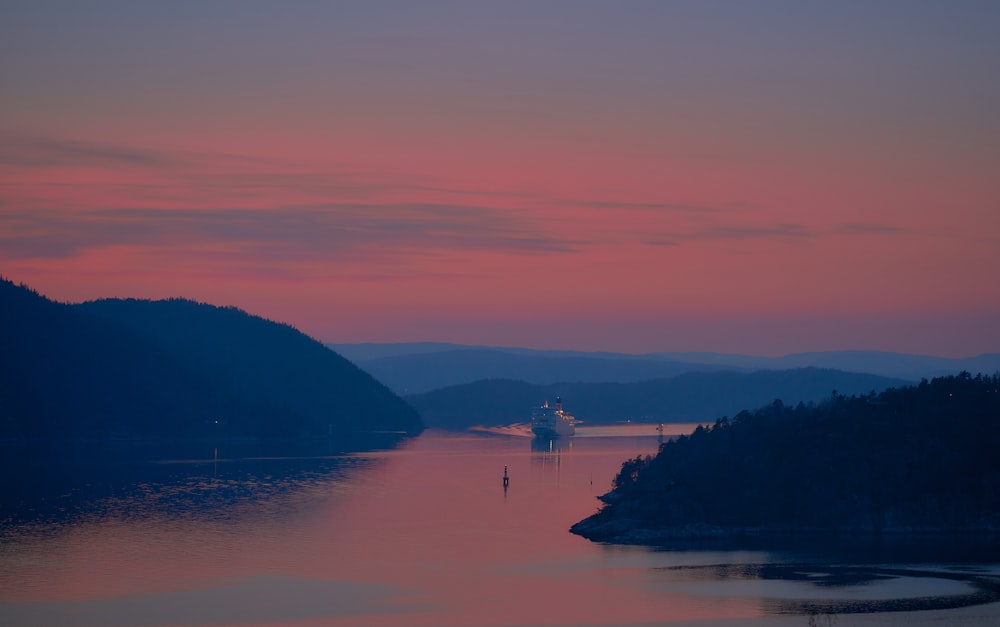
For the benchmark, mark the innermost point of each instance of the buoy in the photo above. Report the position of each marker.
(506, 479)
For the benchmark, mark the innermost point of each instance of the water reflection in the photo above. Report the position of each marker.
(551, 446)
(60, 482)
(421, 535)
(914, 548)
(814, 588)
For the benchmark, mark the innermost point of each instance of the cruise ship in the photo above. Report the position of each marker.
(552, 422)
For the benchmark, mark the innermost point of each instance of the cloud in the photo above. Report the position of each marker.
(726, 232)
(868, 228)
(246, 206)
(39, 152)
(648, 206)
(783, 231)
(658, 242)
(330, 230)
(219, 174)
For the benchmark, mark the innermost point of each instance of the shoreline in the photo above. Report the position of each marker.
(629, 531)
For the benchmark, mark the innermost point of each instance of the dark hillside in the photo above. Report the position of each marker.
(177, 369)
(417, 367)
(919, 458)
(690, 397)
(267, 363)
(487, 403)
(64, 373)
(422, 372)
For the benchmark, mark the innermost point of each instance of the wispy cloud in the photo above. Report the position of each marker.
(291, 232)
(728, 232)
(783, 231)
(40, 151)
(649, 206)
(245, 206)
(747, 232)
(257, 208)
(868, 228)
(660, 242)
(218, 173)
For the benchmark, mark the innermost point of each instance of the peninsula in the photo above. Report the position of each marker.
(912, 459)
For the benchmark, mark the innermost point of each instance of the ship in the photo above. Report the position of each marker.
(552, 422)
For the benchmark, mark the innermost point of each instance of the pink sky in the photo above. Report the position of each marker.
(763, 178)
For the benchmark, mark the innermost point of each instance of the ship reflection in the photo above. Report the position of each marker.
(547, 453)
(551, 446)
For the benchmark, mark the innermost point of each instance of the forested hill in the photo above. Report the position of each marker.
(689, 397)
(129, 368)
(921, 458)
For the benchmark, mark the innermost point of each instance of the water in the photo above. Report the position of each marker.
(423, 534)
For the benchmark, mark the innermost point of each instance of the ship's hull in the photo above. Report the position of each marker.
(552, 422)
(553, 426)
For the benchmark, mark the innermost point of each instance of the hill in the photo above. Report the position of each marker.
(269, 364)
(413, 368)
(690, 397)
(919, 458)
(141, 369)
(67, 374)
(421, 372)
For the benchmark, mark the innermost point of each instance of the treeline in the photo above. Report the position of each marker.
(919, 458)
(689, 397)
(175, 368)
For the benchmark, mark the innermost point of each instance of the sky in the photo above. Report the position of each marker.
(755, 177)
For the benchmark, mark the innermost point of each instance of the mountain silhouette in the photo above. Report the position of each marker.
(417, 367)
(176, 368)
(689, 397)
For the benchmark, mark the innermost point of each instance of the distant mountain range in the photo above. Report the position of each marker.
(177, 369)
(690, 397)
(413, 368)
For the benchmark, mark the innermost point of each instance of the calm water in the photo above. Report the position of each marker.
(423, 534)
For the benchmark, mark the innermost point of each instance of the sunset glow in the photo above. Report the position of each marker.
(761, 178)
